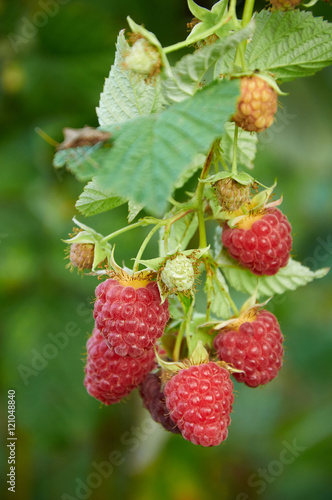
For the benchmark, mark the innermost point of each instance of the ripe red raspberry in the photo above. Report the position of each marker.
(284, 4)
(261, 242)
(109, 377)
(256, 105)
(81, 255)
(254, 347)
(200, 401)
(154, 402)
(131, 319)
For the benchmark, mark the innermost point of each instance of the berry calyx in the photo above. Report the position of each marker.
(129, 314)
(154, 401)
(256, 105)
(82, 255)
(200, 400)
(178, 274)
(110, 377)
(253, 344)
(261, 242)
(231, 194)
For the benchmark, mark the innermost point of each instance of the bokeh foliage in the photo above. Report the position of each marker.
(54, 80)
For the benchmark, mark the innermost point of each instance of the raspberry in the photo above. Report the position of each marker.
(285, 4)
(143, 58)
(178, 274)
(154, 402)
(200, 401)
(231, 194)
(131, 319)
(254, 347)
(256, 105)
(82, 255)
(261, 242)
(109, 377)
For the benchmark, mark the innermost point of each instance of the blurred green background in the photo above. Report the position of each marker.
(279, 446)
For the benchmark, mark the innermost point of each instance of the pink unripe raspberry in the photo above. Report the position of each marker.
(131, 318)
(109, 377)
(255, 347)
(154, 401)
(256, 105)
(200, 400)
(261, 242)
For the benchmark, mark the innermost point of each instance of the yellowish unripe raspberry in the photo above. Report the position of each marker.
(256, 105)
(81, 255)
(284, 4)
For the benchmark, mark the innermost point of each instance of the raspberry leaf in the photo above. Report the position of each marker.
(95, 200)
(183, 80)
(180, 234)
(290, 44)
(290, 277)
(133, 210)
(219, 295)
(81, 161)
(200, 333)
(126, 95)
(149, 154)
(197, 163)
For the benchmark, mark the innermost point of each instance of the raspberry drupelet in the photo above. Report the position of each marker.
(260, 242)
(130, 315)
(254, 346)
(109, 377)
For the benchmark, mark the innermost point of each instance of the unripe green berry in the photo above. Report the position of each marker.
(231, 194)
(178, 274)
(143, 58)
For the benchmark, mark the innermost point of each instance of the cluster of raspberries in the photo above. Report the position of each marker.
(195, 402)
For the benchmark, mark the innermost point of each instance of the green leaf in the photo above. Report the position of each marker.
(184, 79)
(290, 44)
(95, 200)
(197, 333)
(290, 277)
(150, 154)
(181, 233)
(133, 210)
(246, 146)
(219, 298)
(126, 95)
(197, 163)
(81, 161)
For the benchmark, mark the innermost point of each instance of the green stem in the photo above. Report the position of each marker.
(197, 38)
(178, 342)
(247, 12)
(234, 164)
(144, 245)
(199, 197)
(246, 17)
(124, 229)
